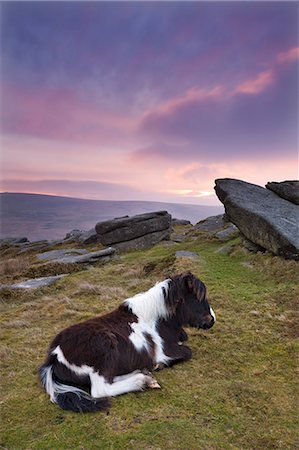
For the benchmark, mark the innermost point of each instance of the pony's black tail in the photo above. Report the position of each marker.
(68, 397)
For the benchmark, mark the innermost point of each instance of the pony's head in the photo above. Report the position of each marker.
(187, 300)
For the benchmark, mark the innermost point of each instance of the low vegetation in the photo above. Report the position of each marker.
(238, 392)
(12, 266)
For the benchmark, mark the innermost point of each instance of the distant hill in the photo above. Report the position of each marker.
(49, 217)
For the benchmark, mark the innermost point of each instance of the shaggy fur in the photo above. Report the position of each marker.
(110, 355)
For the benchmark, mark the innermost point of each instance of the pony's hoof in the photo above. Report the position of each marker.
(153, 384)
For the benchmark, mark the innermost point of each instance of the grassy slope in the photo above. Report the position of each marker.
(238, 391)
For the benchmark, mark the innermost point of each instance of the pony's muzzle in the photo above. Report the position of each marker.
(208, 322)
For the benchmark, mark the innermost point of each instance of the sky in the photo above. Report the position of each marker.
(147, 100)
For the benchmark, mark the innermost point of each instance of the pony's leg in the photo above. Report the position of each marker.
(178, 352)
(126, 376)
(183, 336)
(120, 385)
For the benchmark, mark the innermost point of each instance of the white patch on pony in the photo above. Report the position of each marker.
(160, 357)
(79, 370)
(97, 388)
(135, 381)
(213, 314)
(47, 381)
(138, 339)
(137, 336)
(150, 305)
(124, 377)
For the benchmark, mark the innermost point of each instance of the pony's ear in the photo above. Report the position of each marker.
(189, 281)
(176, 293)
(195, 286)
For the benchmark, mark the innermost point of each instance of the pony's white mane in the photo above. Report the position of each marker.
(150, 305)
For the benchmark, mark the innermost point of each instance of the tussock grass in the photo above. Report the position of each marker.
(104, 292)
(161, 266)
(14, 266)
(49, 269)
(238, 391)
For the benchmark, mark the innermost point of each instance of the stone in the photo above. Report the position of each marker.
(34, 246)
(218, 226)
(145, 241)
(183, 222)
(179, 238)
(54, 255)
(140, 231)
(34, 283)
(77, 256)
(168, 244)
(21, 240)
(251, 246)
(89, 237)
(247, 264)
(262, 216)
(211, 224)
(228, 233)
(74, 234)
(185, 254)
(104, 255)
(289, 190)
(13, 241)
(225, 250)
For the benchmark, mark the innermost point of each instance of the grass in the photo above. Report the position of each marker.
(238, 391)
(12, 266)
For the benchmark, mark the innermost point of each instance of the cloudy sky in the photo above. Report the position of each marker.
(147, 100)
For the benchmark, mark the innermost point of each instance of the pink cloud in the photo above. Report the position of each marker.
(61, 114)
(288, 56)
(156, 151)
(266, 78)
(191, 96)
(258, 84)
(48, 158)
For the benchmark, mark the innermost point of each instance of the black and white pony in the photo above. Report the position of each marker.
(110, 355)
